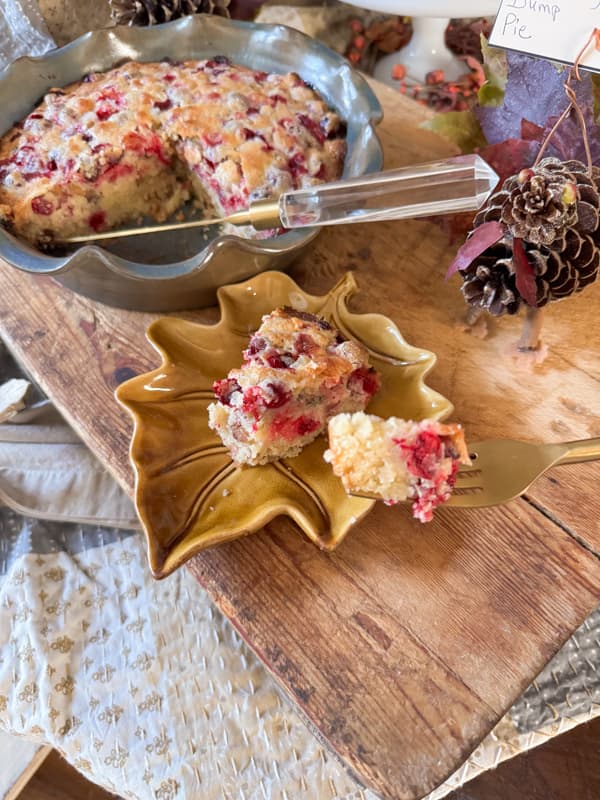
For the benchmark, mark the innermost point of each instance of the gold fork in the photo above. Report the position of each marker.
(503, 469)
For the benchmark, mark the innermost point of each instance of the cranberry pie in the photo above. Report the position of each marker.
(143, 138)
(397, 460)
(298, 371)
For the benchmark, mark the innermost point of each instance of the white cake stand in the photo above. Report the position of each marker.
(426, 49)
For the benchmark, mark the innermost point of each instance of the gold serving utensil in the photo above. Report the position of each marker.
(455, 184)
(262, 215)
(503, 469)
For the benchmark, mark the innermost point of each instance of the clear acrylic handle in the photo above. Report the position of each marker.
(440, 187)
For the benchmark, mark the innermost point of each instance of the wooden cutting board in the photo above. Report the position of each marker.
(404, 647)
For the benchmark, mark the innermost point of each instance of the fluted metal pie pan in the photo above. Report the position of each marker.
(183, 270)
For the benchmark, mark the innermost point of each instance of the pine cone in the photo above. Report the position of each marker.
(541, 203)
(490, 283)
(155, 12)
(564, 248)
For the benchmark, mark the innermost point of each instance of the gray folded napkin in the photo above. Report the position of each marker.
(46, 472)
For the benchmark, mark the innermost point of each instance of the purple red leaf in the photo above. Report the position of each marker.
(534, 98)
(483, 237)
(525, 274)
(510, 157)
(530, 132)
(534, 89)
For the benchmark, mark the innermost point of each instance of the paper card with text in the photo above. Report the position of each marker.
(553, 30)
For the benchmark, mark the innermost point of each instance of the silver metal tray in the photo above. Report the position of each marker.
(173, 271)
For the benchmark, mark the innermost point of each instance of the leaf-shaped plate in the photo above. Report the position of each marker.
(189, 494)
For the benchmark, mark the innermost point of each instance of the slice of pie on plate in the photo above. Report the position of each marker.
(298, 372)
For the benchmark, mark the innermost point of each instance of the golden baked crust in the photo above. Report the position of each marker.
(298, 371)
(142, 138)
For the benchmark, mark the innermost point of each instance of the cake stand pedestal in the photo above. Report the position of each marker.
(427, 49)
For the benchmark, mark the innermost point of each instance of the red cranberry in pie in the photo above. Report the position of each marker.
(41, 205)
(97, 220)
(223, 389)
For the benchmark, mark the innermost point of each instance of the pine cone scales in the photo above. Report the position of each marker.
(536, 209)
(155, 12)
(555, 210)
(492, 283)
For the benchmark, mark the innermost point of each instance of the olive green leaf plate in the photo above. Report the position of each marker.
(189, 494)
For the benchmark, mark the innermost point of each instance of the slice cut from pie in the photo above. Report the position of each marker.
(395, 460)
(298, 371)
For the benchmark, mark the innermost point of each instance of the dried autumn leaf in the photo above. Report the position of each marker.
(495, 67)
(482, 237)
(459, 127)
(509, 157)
(525, 274)
(534, 91)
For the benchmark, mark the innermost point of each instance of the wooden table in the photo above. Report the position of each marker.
(405, 646)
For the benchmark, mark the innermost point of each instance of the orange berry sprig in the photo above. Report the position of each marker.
(440, 94)
(385, 35)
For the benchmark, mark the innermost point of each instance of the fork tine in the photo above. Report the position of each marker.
(470, 500)
(474, 481)
(466, 468)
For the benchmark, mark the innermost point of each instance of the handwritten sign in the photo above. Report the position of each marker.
(555, 30)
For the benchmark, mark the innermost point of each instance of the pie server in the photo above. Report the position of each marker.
(440, 187)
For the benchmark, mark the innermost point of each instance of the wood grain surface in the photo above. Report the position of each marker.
(405, 646)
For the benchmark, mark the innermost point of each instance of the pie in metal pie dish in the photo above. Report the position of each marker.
(181, 269)
(142, 139)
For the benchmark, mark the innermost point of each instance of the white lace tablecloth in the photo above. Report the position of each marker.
(147, 689)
